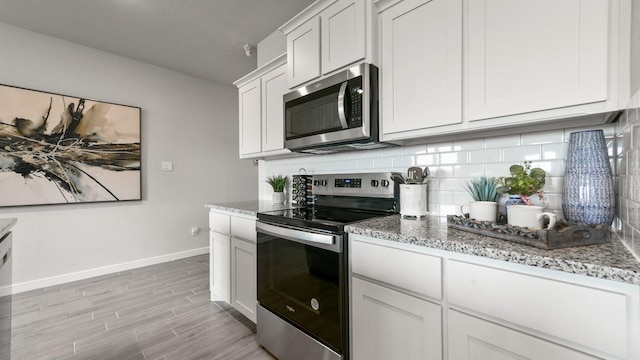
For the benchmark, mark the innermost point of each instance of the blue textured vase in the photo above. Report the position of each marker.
(588, 195)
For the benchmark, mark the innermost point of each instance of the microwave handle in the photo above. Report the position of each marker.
(341, 105)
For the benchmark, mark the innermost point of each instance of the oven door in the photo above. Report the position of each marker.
(301, 277)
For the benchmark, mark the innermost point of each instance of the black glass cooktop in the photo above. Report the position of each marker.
(319, 217)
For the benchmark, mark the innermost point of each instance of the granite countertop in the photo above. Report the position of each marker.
(611, 261)
(6, 225)
(250, 208)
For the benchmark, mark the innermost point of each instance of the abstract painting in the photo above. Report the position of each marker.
(56, 149)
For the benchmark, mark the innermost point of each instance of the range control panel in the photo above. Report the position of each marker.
(365, 184)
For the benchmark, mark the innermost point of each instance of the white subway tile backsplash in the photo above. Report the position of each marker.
(458, 157)
(365, 164)
(468, 144)
(374, 154)
(553, 184)
(497, 169)
(442, 171)
(476, 170)
(449, 209)
(522, 153)
(543, 137)
(485, 156)
(383, 162)
(439, 147)
(554, 151)
(552, 167)
(427, 160)
(498, 142)
(414, 149)
(460, 197)
(403, 161)
(393, 151)
(441, 197)
(452, 184)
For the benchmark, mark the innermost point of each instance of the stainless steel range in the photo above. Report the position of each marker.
(302, 266)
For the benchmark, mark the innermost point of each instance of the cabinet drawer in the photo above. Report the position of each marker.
(243, 228)
(219, 222)
(591, 317)
(416, 272)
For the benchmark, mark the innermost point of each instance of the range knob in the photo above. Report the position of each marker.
(384, 183)
(316, 182)
(374, 183)
(323, 182)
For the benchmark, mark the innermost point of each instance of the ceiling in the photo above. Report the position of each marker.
(202, 38)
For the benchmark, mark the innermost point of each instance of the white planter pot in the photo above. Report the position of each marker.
(529, 216)
(277, 198)
(482, 210)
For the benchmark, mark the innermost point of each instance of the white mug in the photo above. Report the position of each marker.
(529, 216)
(481, 210)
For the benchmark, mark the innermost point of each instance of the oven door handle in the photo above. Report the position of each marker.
(301, 236)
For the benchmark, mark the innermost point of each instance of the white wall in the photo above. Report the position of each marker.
(188, 121)
(271, 47)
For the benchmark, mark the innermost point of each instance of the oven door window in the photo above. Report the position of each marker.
(301, 283)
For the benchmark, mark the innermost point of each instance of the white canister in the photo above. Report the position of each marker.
(413, 200)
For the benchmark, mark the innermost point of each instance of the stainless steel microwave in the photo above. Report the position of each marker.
(337, 113)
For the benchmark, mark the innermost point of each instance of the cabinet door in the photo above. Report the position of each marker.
(303, 53)
(220, 257)
(421, 55)
(527, 56)
(343, 34)
(274, 86)
(243, 278)
(250, 118)
(473, 339)
(388, 324)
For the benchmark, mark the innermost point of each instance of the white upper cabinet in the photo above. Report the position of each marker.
(421, 57)
(274, 85)
(303, 53)
(527, 56)
(250, 117)
(328, 36)
(261, 112)
(453, 66)
(343, 34)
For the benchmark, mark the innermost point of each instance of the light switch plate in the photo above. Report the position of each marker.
(167, 166)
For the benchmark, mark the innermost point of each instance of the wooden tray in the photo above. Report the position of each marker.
(564, 234)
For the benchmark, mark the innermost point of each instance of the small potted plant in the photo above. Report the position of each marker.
(484, 192)
(277, 183)
(523, 183)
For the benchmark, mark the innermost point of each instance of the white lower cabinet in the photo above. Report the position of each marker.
(243, 277)
(408, 300)
(233, 276)
(388, 324)
(471, 338)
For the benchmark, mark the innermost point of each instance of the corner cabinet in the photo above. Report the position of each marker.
(233, 274)
(260, 110)
(327, 36)
(452, 66)
(432, 304)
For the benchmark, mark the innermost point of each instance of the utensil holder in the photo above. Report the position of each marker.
(413, 200)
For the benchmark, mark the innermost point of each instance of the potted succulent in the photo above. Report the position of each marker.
(523, 183)
(484, 192)
(277, 183)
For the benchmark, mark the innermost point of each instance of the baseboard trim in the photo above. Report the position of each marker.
(85, 274)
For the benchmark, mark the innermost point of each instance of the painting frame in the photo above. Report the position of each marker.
(61, 149)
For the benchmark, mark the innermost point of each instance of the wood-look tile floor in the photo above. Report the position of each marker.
(158, 312)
